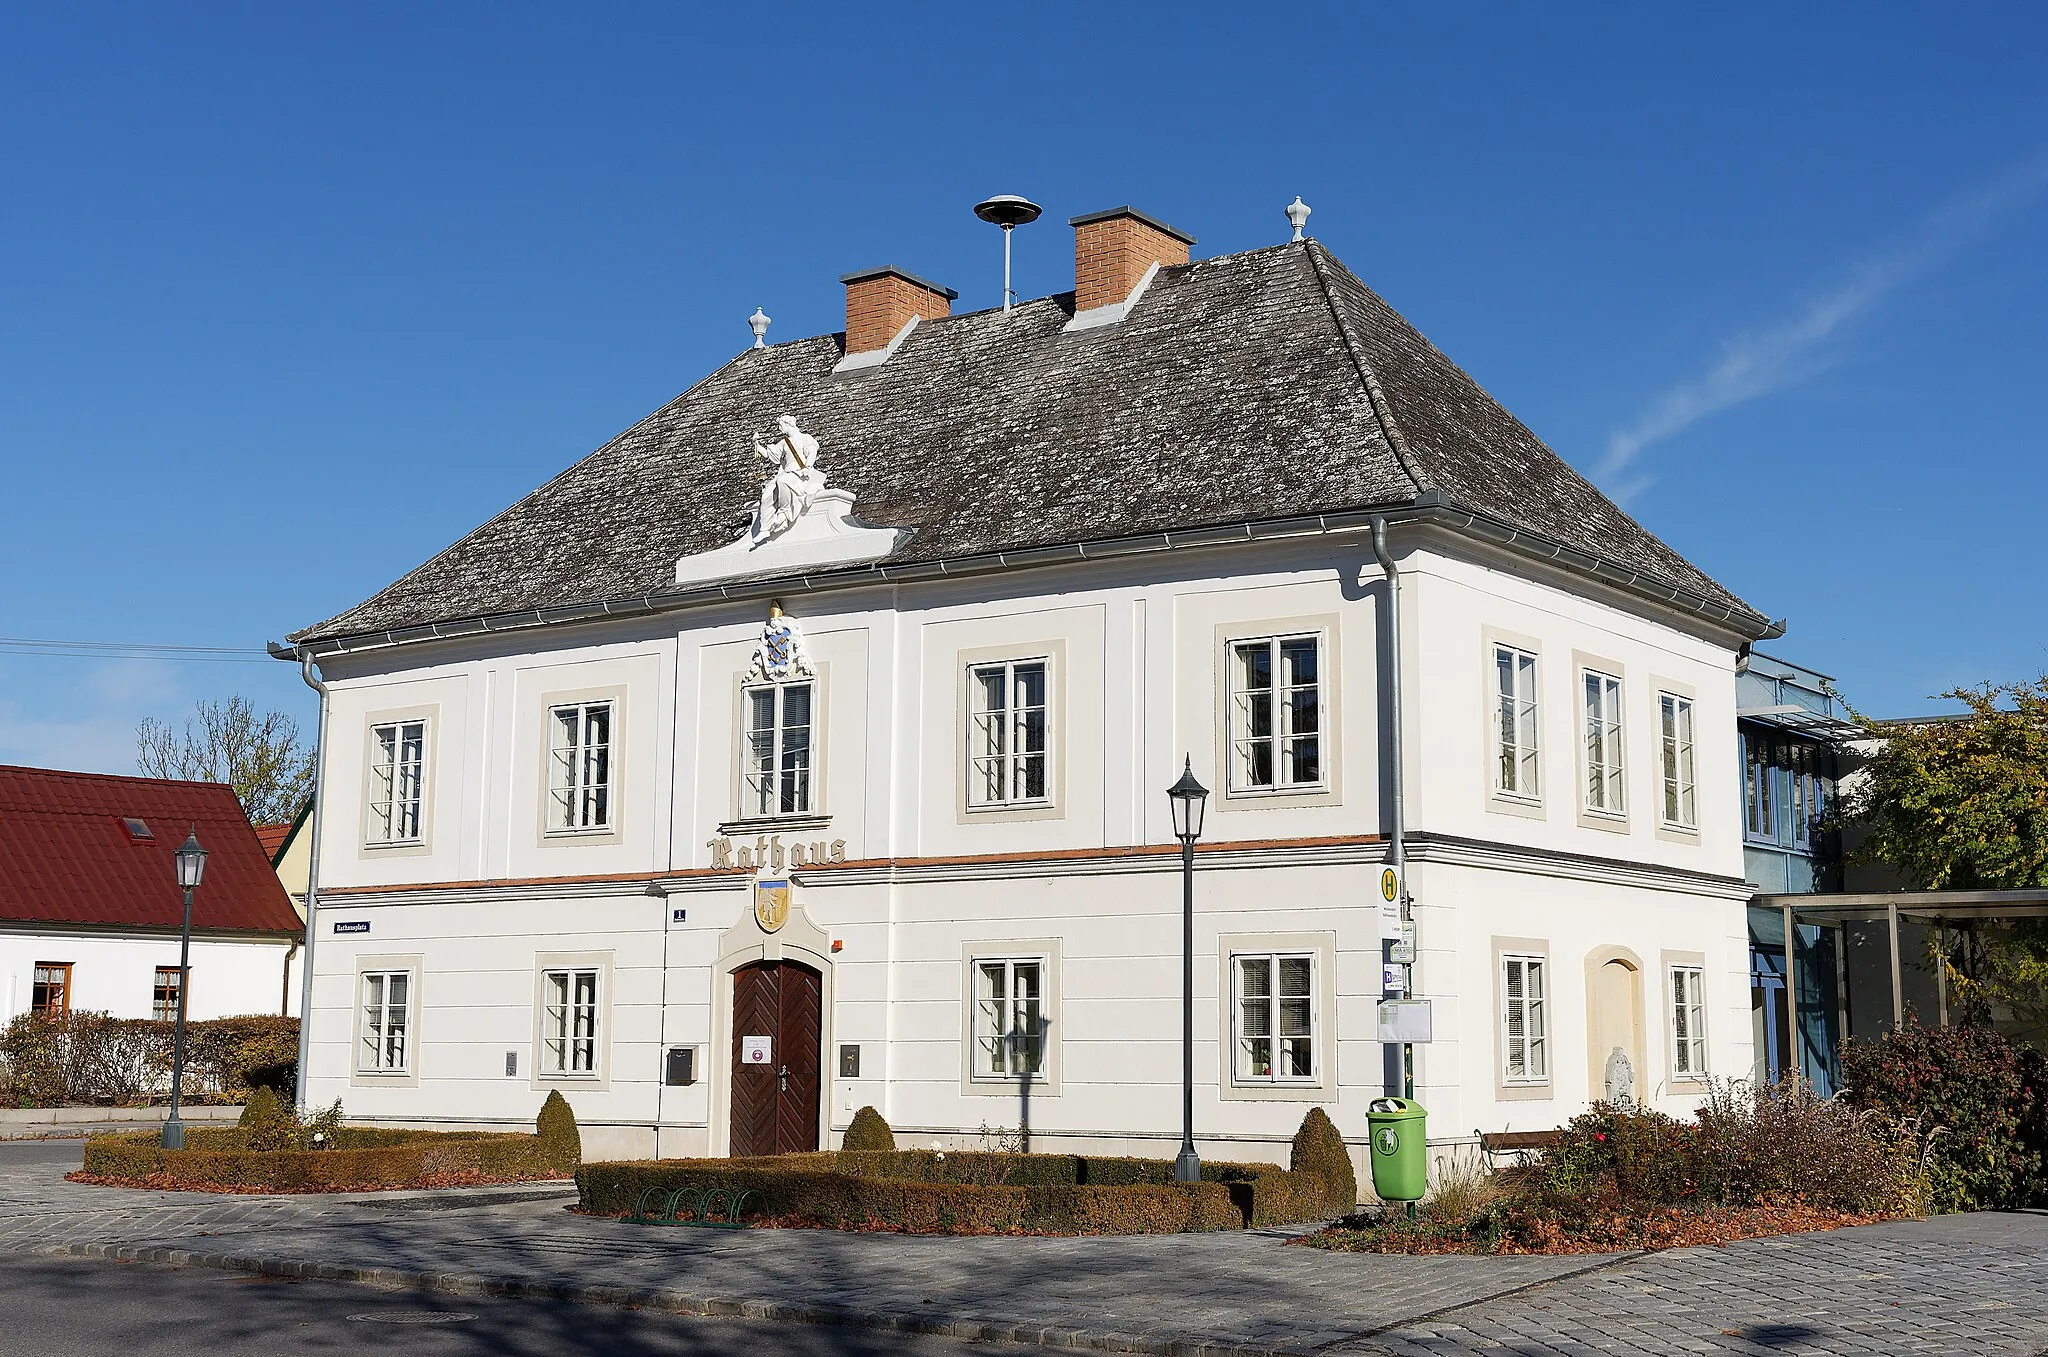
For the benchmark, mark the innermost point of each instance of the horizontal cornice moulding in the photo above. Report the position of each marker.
(1453, 851)
(1137, 860)
(1431, 508)
(1140, 859)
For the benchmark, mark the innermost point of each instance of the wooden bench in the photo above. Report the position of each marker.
(1520, 1144)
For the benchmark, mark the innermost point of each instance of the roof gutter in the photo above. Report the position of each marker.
(1431, 508)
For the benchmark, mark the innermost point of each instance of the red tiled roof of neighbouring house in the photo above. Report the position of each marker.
(272, 837)
(88, 848)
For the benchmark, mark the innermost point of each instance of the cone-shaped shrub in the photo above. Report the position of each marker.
(560, 1142)
(261, 1108)
(868, 1131)
(271, 1122)
(1319, 1149)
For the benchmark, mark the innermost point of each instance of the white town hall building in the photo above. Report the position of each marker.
(728, 808)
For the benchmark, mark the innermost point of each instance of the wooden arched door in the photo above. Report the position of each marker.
(777, 1047)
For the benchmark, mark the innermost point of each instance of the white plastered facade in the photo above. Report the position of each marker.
(113, 970)
(1089, 885)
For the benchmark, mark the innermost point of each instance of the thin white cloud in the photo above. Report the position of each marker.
(1758, 362)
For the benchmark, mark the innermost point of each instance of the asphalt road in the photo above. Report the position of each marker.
(78, 1307)
(69, 1153)
(74, 1307)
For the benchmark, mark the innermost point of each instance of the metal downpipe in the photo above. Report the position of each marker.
(312, 877)
(1400, 1070)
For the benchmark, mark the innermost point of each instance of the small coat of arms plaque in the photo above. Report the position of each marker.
(771, 905)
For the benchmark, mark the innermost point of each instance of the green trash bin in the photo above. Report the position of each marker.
(1400, 1159)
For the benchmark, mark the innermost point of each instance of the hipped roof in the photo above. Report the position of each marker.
(1263, 385)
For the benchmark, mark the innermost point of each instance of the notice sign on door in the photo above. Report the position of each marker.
(754, 1050)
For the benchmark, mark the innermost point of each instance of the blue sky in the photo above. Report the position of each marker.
(290, 298)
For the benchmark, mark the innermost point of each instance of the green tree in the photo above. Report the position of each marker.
(1963, 805)
(261, 755)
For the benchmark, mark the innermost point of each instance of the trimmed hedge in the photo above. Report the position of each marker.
(561, 1140)
(867, 1131)
(1319, 1149)
(359, 1159)
(925, 1191)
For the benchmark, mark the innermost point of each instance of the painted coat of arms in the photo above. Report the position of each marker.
(771, 905)
(781, 654)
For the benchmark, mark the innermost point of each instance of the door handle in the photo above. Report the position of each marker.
(783, 1075)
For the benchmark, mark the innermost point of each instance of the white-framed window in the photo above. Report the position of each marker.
(1276, 713)
(1010, 757)
(1681, 789)
(568, 1022)
(1525, 1019)
(1688, 1022)
(398, 769)
(580, 767)
(1009, 1017)
(387, 1022)
(1516, 769)
(778, 752)
(1604, 777)
(1275, 1016)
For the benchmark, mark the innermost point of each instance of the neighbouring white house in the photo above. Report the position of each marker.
(91, 915)
(806, 746)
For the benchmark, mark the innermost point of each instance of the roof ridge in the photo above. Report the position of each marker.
(1382, 409)
(112, 777)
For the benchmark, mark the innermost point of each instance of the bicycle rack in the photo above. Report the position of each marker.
(713, 1208)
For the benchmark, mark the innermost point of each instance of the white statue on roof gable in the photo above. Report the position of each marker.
(799, 523)
(792, 485)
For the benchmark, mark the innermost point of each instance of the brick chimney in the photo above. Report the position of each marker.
(880, 302)
(1114, 249)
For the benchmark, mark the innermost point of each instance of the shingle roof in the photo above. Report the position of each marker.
(67, 854)
(1263, 385)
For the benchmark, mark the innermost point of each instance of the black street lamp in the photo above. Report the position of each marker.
(1188, 799)
(191, 866)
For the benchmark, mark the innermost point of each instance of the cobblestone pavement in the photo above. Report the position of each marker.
(1960, 1284)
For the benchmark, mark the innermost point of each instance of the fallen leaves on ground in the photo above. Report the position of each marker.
(1668, 1227)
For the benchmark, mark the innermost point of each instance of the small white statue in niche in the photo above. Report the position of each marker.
(792, 485)
(781, 654)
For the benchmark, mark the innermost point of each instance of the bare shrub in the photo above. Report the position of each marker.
(52, 1060)
(1756, 1144)
(1463, 1194)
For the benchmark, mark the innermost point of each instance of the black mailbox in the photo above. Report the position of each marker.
(682, 1065)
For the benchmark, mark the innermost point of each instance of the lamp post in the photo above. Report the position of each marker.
(1188, 798)
(191, 866)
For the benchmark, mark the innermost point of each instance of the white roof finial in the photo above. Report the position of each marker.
(759, 322)
(1297, 215)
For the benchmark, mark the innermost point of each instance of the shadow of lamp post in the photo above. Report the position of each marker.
(191, 866)
(1188, 799)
